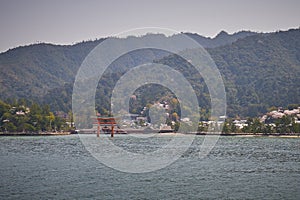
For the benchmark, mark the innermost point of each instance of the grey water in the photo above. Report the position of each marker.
(59, 167)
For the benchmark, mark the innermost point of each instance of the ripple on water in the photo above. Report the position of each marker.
(236, 168)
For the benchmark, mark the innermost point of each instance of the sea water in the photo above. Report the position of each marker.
(59, 167)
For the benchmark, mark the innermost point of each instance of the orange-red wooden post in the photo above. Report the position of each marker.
(98, 127)
(112, 128)
(108, 121)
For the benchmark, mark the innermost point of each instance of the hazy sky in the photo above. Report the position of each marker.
(68, 21)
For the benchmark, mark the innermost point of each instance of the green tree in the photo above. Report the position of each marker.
(295, 127)
(226, 128)
(29, 127)
(10, 127)
(283, 125)
(3, 108)
(51, 119)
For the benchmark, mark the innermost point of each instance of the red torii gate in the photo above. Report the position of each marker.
(106, 121)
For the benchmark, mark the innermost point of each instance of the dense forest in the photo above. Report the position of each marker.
(30, 117)
(259, 71)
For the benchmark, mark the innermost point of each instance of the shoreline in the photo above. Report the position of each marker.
(36, 134)
(289, 135)
(297, 135)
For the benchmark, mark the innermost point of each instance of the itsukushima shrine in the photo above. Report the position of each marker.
(106, 122)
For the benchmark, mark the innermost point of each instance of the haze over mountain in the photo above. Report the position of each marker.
(259, 70)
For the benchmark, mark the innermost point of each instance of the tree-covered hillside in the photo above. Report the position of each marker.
(32, 71)
(35, 70)
(259, 71)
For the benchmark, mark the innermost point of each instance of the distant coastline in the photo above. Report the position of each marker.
(35, 134)
(287, 135)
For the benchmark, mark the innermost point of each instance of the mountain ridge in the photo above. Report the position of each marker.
(44, 67)
(41, 71)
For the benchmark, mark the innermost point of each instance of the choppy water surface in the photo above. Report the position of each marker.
(59, 167)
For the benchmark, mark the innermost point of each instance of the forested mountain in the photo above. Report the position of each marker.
(32, 71)
(259, 70)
